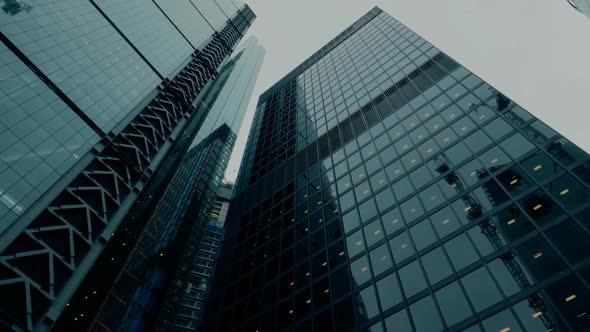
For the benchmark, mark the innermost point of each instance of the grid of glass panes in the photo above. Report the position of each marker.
(458, 211)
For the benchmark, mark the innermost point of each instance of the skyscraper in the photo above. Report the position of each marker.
(148, 262)
(385, 187)
(99, 103)
(187, 304)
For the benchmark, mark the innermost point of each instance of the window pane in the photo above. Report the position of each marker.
(381, 259)
(571, 240)
(360, 270)
(389, 292)
(453, 304)
(367, 304)
(481, 289)
(568, 191)
(444, 222)
(351, 220)
(411, 209)
(436, 266)
(572, 299)
(423, 235)
(373, 232)
(355, 243)
(425, 316)
(540, 166)
(384, 199)
(516, 146)
(502, 321)
(505, 278)
(367, 210)
(461, 252)
(412, 279)
(392, 221)
(402, 247)
(398, 322)
(540, 258)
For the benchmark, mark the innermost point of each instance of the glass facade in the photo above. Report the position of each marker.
(99, 103)
(139, 282)
(387, 188)
(188, 314)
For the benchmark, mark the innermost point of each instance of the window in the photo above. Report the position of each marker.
(355, 243)
(351, 220)
(453, 304)
(389, 291)
(360, 270)
(373, 232)
(381, 259)
(461, 252)
(392, 221)
(412, 279)
(422, 234)
(425, 315)
(445, 222)
(368, 302)
(398, 322)
(402, 247)
(436, 265)
(502, 321)
(367, 210)
(481, 289)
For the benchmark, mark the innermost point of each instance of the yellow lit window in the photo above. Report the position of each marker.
(570, 298)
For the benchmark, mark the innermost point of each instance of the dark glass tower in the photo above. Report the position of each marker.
(387, 188)
(99, 103)
(186, 303)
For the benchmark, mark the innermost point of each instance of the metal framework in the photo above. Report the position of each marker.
(41, 267)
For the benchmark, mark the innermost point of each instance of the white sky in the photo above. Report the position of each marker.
(535, 51)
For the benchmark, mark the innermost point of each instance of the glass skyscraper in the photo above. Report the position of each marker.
(385, 187)
(99, 103)
(188, 302)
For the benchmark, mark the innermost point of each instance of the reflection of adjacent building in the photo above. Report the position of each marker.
(452, 201)
(184, 302)
(139, 271)
(135, 296)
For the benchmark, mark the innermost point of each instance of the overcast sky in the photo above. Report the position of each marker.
(535, 51)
